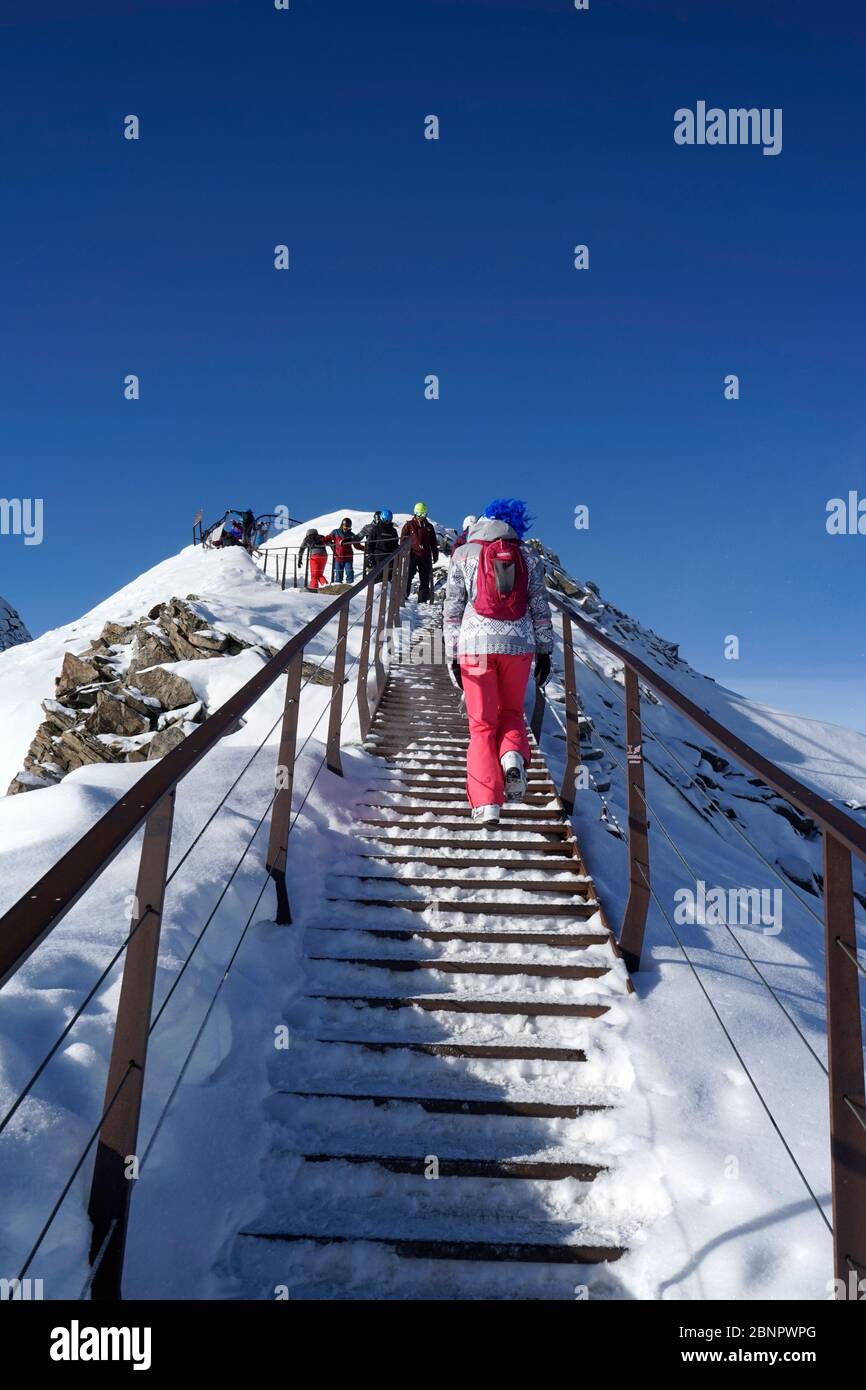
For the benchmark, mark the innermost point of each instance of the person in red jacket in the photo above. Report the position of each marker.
(345, 543)
(424, 553)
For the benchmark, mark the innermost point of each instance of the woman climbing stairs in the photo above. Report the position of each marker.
(439, 1127)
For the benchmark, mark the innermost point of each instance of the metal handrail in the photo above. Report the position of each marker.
(26, 924)
(843, 836)
(850, 831)
(150, 803)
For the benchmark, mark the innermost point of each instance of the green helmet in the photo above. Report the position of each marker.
(420, 509)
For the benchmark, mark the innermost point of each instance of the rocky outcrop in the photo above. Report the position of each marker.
(12, 629)
(120, 701)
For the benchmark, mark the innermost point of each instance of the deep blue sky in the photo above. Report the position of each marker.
(411, 256)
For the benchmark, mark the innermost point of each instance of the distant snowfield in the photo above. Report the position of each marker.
(709, 1202)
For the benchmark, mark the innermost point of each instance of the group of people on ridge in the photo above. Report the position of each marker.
(496, 621)
(377, 540)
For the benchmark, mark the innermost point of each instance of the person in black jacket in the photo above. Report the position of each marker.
(364, 535)
(382, 539)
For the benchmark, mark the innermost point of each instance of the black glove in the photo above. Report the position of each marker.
(542, 668)
(456, 674)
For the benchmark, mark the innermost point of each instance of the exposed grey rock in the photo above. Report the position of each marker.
(191, 713)
(316, 675)
(60, 716)
(114, 715)
(80, 748)
(118, 634)
(172, 691)
(25, 781)
(12, 629)
(149, 647)
(75, 672)
(165, 741)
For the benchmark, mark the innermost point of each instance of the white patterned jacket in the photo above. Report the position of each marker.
(467, 632)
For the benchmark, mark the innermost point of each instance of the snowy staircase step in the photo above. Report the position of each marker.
(507, 1052)
(485, 908)
(468, 1167)
(498, 1252)
(473, 967)
(449, 1003)
(456, 1105)
(467, 1039)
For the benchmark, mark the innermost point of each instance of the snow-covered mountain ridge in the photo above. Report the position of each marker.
(754, 1235)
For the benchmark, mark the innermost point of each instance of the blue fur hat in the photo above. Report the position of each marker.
(513, 512)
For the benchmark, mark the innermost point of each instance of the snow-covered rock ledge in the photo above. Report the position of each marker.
(121, 700)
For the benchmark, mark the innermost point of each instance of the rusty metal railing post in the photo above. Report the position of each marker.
(845, 1063)
(380, 623)
(278, 841)
(115, 1168)
(634, 918)
(363, 665)
(285, 566)
(335, 721)
(572, 719)
(395, 570)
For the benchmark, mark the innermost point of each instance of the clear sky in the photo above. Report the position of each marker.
(409, 256)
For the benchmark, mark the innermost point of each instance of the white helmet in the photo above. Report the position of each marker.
(469, 521)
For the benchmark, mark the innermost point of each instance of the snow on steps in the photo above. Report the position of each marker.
(446, 1111)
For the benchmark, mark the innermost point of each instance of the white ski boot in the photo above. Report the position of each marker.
(485, 815)
(515, 776)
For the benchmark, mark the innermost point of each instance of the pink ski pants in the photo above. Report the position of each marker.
(495, 689)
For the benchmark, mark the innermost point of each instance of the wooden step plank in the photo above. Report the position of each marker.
(540, 866)
(448, 966)
(455, 1105)
(417, 798)
(489, 1168)
(554, 828)
(575, 941)
(529, 815)
(577, 887)
(487, 909)
(452, 1003)
(466, 1052)
(495, 1252)
(561, 846)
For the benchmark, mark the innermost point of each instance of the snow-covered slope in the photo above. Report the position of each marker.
(731, 1217)
(743, 1222)
(12, 629)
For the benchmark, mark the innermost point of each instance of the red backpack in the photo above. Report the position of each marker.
(502, 581)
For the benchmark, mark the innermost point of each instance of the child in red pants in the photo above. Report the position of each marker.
(317, 570)
(497, 619)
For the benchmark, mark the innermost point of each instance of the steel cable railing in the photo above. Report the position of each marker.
(657, 820)
(155, 1020)
(82, 1007)
(765, 1105)
(151, 803)
(740, 1058)
(843, 837)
